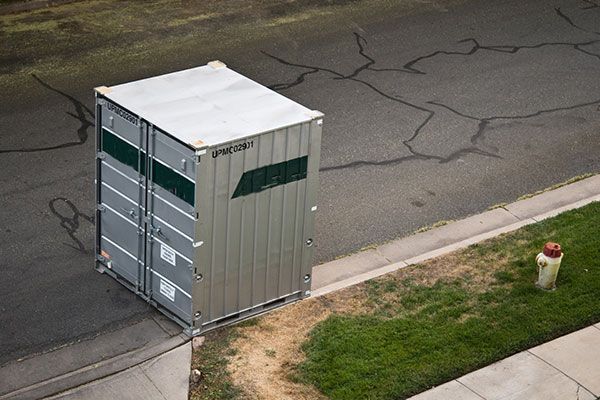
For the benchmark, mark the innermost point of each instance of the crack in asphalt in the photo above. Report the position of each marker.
(70, 223)
(429, 113)
(82, 112)
(410, 68)
(485, 121)
(573, 24)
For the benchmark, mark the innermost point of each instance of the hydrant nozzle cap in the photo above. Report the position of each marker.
(552, 250)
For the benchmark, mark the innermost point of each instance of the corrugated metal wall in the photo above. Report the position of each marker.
(254, 248)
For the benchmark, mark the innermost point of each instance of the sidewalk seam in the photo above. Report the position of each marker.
(382, 255)
(150, 379)
(511, 213)
(154, 318)
(471, 390)
(561, 371)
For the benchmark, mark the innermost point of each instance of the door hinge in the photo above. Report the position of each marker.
(101, 208)
(101, 155)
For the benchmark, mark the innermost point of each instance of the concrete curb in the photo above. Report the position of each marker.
(164, 377)
(400, 253)
(48, 374)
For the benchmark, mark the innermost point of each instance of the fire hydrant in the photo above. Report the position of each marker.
(548, 262)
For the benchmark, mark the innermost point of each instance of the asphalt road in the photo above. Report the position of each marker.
(429, 116)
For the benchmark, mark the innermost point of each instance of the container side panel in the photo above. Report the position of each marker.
(179, 218)
(176, 155)
(169, 294)
(248, 238)
(252, 223)
(170, 243)
(219, 237)
(121, 122)
(122, 180)
(172, 264)
(171, 236)
(121, 141)
(287, 281)
(121, 231)
(262, 221)
(276, 216)
(119, 201)
(120, 259)
(203, 266)
(178, 188)
(234, 229)
(312, 187)
(300, 211)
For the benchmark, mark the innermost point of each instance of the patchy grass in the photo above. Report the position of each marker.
(257, 359)
(211, 361)
(499, 205)
(432, 226)
(268, 353)
(458, 313)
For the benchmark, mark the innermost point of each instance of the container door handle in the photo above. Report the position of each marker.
(130, 212)
(160, 233)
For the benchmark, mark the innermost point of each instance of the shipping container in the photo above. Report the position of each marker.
(206, 193)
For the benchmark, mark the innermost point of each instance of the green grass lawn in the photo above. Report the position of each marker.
(422, 332)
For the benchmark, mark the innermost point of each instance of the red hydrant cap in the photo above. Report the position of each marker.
(552, 250)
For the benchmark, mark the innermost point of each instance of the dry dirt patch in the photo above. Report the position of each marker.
(266, 354)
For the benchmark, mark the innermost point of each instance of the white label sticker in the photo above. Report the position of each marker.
(167, 254)
(167, 290)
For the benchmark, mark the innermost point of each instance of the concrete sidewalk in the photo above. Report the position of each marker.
(165, 377)
(565, 368)
(417, 248)
(89, 360)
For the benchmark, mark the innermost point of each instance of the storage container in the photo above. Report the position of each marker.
(206, 190)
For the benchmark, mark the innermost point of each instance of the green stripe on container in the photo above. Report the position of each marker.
(122, 151)
(270, 176)
(173, 182)
(164, 176)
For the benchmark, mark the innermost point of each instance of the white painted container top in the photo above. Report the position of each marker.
(208, 105)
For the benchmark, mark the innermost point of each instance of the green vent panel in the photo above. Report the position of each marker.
(122, 151)
(271, 176)
(173, 182)
(164, 176)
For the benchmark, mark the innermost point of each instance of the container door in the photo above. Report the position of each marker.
(122, 140)
(171, 218)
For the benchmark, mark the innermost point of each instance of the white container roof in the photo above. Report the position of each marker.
(208, 105)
